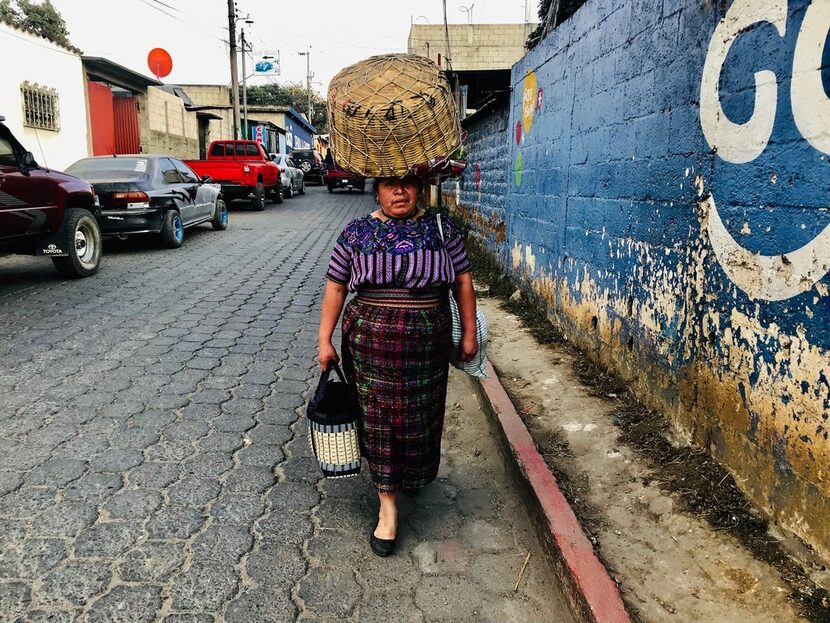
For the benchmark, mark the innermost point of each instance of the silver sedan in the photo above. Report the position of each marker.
(292, 177)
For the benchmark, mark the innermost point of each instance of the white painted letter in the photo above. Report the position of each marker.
(811, 106)
(740, 143)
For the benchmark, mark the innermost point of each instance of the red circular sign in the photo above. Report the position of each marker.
(160, 62)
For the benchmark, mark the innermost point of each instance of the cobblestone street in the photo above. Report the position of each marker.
(154, 464)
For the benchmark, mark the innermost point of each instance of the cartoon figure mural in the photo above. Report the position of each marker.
(671, 203)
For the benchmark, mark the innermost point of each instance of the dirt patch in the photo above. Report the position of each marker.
(699, 487)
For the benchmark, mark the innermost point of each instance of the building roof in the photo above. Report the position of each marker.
(178, 92)
(268, 124)
(289, 110)
(105, 70)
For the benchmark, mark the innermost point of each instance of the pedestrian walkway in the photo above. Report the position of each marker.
(154, 465)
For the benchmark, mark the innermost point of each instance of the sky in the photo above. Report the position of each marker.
(195, 32)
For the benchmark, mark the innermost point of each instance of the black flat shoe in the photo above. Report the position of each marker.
(382, 547)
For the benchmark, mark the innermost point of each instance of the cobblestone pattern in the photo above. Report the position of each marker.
(154, 466)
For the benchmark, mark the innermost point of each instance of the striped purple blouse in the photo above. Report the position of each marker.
(371, 253)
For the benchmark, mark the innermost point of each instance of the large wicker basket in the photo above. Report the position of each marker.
(390, 114)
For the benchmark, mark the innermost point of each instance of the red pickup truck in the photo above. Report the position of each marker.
(243, 169)
(340, 178)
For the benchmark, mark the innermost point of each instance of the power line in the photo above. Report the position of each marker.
(154, 5)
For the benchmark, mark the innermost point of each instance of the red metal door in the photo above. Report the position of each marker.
(101, 117)
(127, 135)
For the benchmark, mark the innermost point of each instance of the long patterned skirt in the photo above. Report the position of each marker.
(398, 360)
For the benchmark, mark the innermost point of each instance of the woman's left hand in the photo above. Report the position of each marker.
(467, 347)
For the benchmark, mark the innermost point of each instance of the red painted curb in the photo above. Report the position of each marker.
(591, 593)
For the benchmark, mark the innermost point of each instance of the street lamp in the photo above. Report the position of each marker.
(469, 11)
(308, 78)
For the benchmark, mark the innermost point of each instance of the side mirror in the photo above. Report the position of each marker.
(207, 179)
(27, 162)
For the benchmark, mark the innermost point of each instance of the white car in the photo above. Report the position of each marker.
(292, 177)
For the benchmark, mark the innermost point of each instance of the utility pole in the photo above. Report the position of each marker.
(245, 82)
(234, 72)
(308, 77)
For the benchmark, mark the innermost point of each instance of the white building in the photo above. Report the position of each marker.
(43, 97)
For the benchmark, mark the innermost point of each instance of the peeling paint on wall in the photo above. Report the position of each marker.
(669, 202)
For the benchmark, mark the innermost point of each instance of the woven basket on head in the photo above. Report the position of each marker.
(391, 113)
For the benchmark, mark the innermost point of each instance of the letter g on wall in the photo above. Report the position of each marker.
(781, 276)
(740, 143)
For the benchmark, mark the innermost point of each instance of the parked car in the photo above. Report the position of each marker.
(142, 194)
(243, 169)
(340, 178)
(46, 213)
(310, 161)
(292, 178)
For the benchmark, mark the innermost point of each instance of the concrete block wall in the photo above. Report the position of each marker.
(208, 94)
(165, 125)
(479, 197)
(668, 175)
(472, 46)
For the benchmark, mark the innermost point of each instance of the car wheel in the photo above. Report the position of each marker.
(362, 187)
(288, 191)
(258, 202)
(220, 216)
(83, 239)
(306, 167)
(302, 188)
(172, 231)
(331, 188)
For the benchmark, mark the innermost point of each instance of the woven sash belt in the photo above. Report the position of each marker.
(408, 299)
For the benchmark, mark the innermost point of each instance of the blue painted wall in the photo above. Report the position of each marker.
(483, 189)
(299, 133)
(679, 229)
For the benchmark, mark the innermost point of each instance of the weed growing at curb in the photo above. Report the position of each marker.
(702, 486)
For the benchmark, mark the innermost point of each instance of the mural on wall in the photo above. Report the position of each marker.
(783, 275)
(671, 205)
(531, 102)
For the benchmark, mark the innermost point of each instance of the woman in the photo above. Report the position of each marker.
(397, 336)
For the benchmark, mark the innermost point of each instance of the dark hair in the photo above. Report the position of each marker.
(376, 182)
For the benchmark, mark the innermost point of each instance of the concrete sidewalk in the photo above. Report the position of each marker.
(462, 541)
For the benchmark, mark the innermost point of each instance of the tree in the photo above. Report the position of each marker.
(565, 10)
(292, 94)
(39, 18)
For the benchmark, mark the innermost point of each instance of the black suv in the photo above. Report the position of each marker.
(311, 163)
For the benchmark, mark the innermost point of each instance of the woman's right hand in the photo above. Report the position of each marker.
(326, 355)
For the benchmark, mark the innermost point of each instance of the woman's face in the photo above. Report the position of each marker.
(398, 197)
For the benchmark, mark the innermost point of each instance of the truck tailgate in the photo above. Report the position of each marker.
(222, 171)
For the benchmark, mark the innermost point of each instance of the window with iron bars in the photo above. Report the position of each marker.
(40, 107)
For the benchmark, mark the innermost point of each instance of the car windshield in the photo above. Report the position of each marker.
(110, 169)
(301, 155)
(8, 151)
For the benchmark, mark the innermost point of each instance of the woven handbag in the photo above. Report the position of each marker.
(474, 367)
(333, 414)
